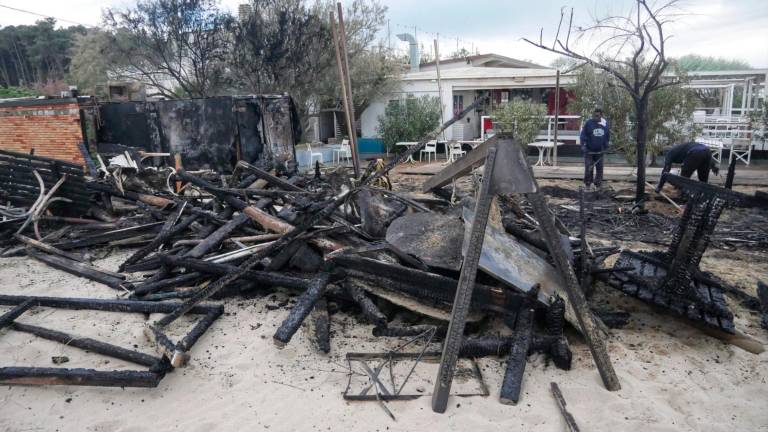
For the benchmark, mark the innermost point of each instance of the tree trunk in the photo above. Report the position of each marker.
(641, 114)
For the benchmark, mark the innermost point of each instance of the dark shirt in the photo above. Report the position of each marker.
(595, 136)
(678, 153)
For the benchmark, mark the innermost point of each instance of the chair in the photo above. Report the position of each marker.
(314, 155)
(429, 148)
(344, 151)
(455, 151)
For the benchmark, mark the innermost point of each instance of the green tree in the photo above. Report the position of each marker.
(16, 92)
(409, 120)
(521, 117)
(695, 62)
(174, 44)
(669, 111)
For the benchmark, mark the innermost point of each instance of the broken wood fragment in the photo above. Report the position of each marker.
(322, 325)
(370, 310)
(82, 270)
(570, 422)
(85, 377)
(518, 356)
(7, 318)
(301, 309)
(89, 344)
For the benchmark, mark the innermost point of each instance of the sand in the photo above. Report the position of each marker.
(673, 377)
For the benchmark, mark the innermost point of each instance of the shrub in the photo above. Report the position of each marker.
(409, 120)
(523, 118)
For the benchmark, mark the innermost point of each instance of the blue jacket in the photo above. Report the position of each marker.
(594, 136)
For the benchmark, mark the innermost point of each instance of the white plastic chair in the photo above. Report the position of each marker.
(455, 151)
(313, 155)
(344, 151)
(429, 148)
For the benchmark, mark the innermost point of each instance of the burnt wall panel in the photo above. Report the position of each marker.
(207, 132)
(202, 130)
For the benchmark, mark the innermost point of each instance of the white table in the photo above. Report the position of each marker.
(544, 147)
(408, 144)
(473, 143)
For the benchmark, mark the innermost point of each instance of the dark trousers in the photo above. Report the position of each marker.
(593, 164)
(697, 161)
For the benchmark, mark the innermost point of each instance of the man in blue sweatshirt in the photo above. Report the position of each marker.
(594, 139)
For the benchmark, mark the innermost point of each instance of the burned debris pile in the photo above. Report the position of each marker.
(496, 274)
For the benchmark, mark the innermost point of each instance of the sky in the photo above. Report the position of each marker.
(731, 29)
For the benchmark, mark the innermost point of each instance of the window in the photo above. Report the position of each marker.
(458, 104)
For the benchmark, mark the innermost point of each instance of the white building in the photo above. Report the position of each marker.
(462, 80)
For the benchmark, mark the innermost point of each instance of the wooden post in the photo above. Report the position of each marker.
(340, 45)
(440, 92)
(464, 290)
(179, 167)
(557, 115)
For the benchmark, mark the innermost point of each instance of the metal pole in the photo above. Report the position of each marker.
(557, 115)
(347, 114)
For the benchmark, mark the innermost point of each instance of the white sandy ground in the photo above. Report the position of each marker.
(673, 377)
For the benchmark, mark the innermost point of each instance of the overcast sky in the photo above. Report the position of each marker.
(732, 29)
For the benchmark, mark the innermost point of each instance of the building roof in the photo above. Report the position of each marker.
(488, 60)
(470, 72)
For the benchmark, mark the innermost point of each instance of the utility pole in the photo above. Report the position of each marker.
(557, 114)
(346, 88)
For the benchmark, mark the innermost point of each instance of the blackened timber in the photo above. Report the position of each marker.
(175, 355)
(171, 282)
(518, 356)
(109, 236)
(410, 331)
(201, 327)
(8, 317)
(80, 269)
(459, 168)
(426, 285)
(322, 325)
(89, 344)
(75, 303)
(261, 277)
(370, 311)
(762, 294)
(263, 218)
(573, 291)
(328, 207)
(217, 237)
(301, 309)
(276, 181)
(167, 232)
(464, 289)
(48, 248)
(85, 377)
(569, 420)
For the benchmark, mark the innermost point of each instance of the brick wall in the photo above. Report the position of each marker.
(51, 127)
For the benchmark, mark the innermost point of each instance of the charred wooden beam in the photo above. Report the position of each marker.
(260, 277)
(85, 377)
(7, 318)
(410, 331)
(171, 282)
(89, 344)
(274, 180)
(322, 325)
(217, 237)
(75, 303)
(199, 329)
(109, 236)
(263, 218)
(48, 248)
(570, 422)
(518, 356)
(175, 355)
(370, 310)
(303, 307)
(82, 270)
(167, 232)
(573, 291)
(762, 294)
